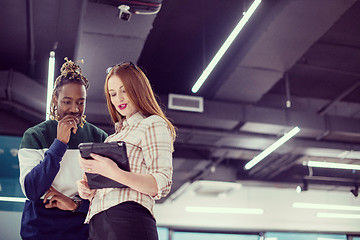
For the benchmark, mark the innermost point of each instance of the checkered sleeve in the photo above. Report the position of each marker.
(157, 151)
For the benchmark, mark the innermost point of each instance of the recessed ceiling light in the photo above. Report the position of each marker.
(194, 209)
(325, 206)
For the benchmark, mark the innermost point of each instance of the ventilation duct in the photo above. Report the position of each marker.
(22, 94)
(186, 103)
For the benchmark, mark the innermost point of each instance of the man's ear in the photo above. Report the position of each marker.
(55, 99)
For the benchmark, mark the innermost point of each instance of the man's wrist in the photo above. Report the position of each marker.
(77, 201)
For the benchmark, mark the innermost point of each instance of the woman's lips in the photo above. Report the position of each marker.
(122, 106)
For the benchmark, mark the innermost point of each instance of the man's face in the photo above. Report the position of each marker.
(71, 101)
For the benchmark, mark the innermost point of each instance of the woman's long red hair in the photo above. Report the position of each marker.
(139, 91)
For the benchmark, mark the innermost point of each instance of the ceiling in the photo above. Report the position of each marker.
(304, 52)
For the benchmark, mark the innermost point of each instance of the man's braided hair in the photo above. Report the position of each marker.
(70, 73)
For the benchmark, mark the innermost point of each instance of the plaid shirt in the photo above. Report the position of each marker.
(149, 148)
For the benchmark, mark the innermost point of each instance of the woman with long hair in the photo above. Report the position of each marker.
(127, 213)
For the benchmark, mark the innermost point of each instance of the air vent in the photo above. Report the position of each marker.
(214, 188)
(186, 103)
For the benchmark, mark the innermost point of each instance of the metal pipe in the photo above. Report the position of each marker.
(31, 41)
(326, 108)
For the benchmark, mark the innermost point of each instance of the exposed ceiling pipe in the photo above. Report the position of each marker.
(332, 179)
(326, 108)
(22, 111)
(10, 77)
(287, 88)
(298, 142)
(315, 67)
(25, 96)
(30, 32)
(274, 166)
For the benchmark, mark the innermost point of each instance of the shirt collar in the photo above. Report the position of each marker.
(134, 119)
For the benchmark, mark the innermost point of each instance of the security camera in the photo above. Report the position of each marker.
(124, 14)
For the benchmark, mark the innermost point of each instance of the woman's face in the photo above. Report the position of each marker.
(119, 97)
(71, 101)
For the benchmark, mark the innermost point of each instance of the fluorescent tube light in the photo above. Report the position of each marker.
(12, 199)
(325, 238)
(272, 148)
(225, 46)
(325, 206)
(50, 84)
(338, 215)
(224, 210)
(333, 165)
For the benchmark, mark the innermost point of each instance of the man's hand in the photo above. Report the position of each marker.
(59, 200)
(64, 128)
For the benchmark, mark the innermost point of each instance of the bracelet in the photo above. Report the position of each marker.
(78, 204)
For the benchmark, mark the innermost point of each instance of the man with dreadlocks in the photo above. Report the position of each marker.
(49, 163)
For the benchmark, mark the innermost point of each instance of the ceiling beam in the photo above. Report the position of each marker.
(225, 116)
(264, 57)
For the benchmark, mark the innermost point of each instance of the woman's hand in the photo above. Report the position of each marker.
(64, 128)
(83, 188)
(59, 200)
(104, 166)
(100, 165)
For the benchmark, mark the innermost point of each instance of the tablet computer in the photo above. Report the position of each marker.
(116, 151)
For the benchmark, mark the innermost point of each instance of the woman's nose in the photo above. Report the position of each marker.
(121, 97)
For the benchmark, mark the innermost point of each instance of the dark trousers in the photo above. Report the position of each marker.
(125, 221)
